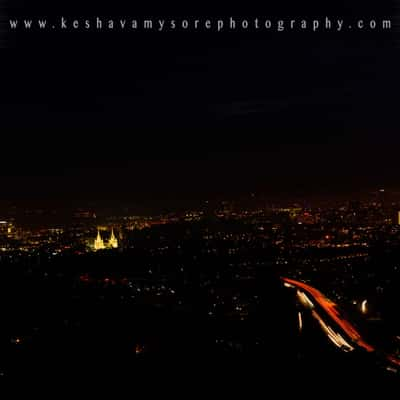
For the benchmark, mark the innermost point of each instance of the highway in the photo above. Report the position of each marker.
(347, 336)
(348, 330)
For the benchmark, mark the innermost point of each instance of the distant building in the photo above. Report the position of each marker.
(7, 229)
(99, 242)
(398, 218)
(84, 214)
(113, 242)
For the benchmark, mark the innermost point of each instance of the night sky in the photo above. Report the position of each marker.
(183, 116)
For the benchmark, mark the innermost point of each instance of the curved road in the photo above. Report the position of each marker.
(332, 311)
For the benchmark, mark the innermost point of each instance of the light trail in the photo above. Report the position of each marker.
(364, 307)
(305, 300)
(331, 309)
(334, 337)
(300, 322)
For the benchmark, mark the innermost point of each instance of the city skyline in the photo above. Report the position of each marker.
(196, 206)
(131, 205)
(329, 276)
(180, 183)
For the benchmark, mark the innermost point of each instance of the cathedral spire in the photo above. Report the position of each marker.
(99, 243)
(113, 242)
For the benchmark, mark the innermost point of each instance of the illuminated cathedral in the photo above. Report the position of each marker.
(99, 242)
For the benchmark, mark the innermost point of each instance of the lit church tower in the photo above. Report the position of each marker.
(99, 243)
(113, 242)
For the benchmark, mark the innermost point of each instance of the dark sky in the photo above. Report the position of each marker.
(195, 115)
